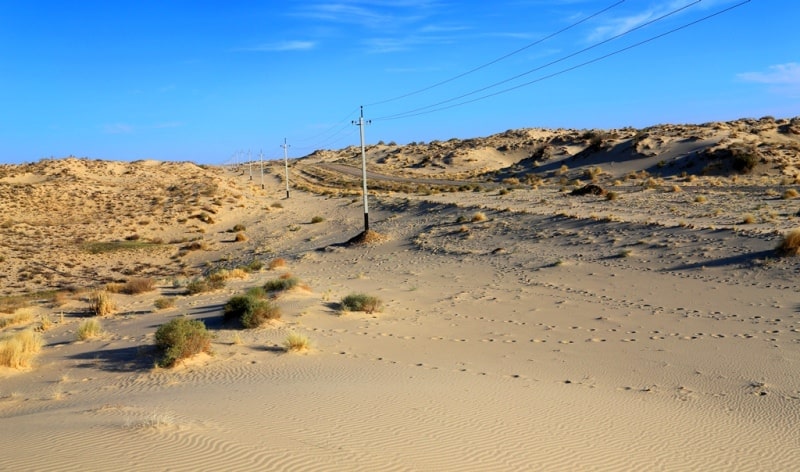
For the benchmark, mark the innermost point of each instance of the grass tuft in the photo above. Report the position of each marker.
(362, 302)
(101, 304)
(296, 343)
(164, 303)
(790, 244)
(478, 216)
(89, 329)
(18, 351)
(138, 285)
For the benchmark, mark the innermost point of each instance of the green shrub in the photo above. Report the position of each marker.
(250, 310)
(281, 284)
(362, 302)
(182, 338)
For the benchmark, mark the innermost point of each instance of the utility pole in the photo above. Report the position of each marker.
(250, 163)
(261, 160)
(286, 164)
(361, 123)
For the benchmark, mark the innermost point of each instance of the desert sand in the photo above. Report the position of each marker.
(650, 326)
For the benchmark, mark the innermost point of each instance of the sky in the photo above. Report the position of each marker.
(211, 81)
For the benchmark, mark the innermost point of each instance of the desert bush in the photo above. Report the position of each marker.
(277, 263)
(317, 219)
(18, 350)
(748, 219)
(744, 158)
(182, 338)
(205, 284)
(253, 266)
(281, 284)
(251, 310)
(89, 329)
(478, 216)
(612, 196)
(101, 304)
(296, 342)
(362, 302)
(237, 228)
(700, 199)
(240, 237)
(790, 244)
(164, 303)
(790, 194)
(139, 285)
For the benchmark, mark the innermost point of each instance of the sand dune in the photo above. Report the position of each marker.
(650, 331)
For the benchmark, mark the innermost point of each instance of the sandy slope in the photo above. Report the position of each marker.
(561, 333)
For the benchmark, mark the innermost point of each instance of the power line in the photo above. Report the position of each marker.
(506, 56)
(551, 63)
(569, 69)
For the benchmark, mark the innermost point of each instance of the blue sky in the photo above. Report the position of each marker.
(202, 80)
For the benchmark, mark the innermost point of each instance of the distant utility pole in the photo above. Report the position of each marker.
(286, 164)
(261, 160)
(361, 123)
(250, 163)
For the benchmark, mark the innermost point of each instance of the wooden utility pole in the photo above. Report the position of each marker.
(361, 123)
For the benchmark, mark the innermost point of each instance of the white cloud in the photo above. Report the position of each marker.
(780, 74)
(282, 46)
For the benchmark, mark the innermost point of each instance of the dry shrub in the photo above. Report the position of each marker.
(317, 219)
(700, 199)
(101, 304)
(89, 329)
(139, 285)
(790, 244)
(790, 194)
(612, 196)
(114, 287)
(17, 351)
(478, 217)
(164, 303)
(748, 219)
(205, 284)
(240, 237)
(277, 263)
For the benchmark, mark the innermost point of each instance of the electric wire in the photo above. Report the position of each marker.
(551, 63)
(506, 56)
(569, 69)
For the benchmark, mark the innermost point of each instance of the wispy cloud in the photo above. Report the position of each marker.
(118, 128)
(373, 14)
(282, 46)
(780, 74)
(783, 79)
(617, 25)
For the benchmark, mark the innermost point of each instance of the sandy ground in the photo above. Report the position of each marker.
(652, 332)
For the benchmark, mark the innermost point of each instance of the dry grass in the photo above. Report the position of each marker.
(296, 343)
(138, 286)
(748, 219)
(19, 350)
(790, 244)
(277, 263)
(101, 304)
(20, 316)
(89, 329)
(478, 217)
(164, 303)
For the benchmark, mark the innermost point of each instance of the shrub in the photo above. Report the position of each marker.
(744, 159)
(612, 196)
(361, 302)
(790, 194)
(748, 219)
(296, 342)
(238, 228)
(205, 284)
(790, 244)
(139, 285)
(251, 310)
(240, 237)
(17, 351)
(164, 303)
(101, 304)
(89, 329)
(182, 338)
(254, 266)
(277, 263)
(478, 216)
(285, 282)
(317, 219)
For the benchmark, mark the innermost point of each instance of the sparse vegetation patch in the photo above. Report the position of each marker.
(362, 302)
(180, 339)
